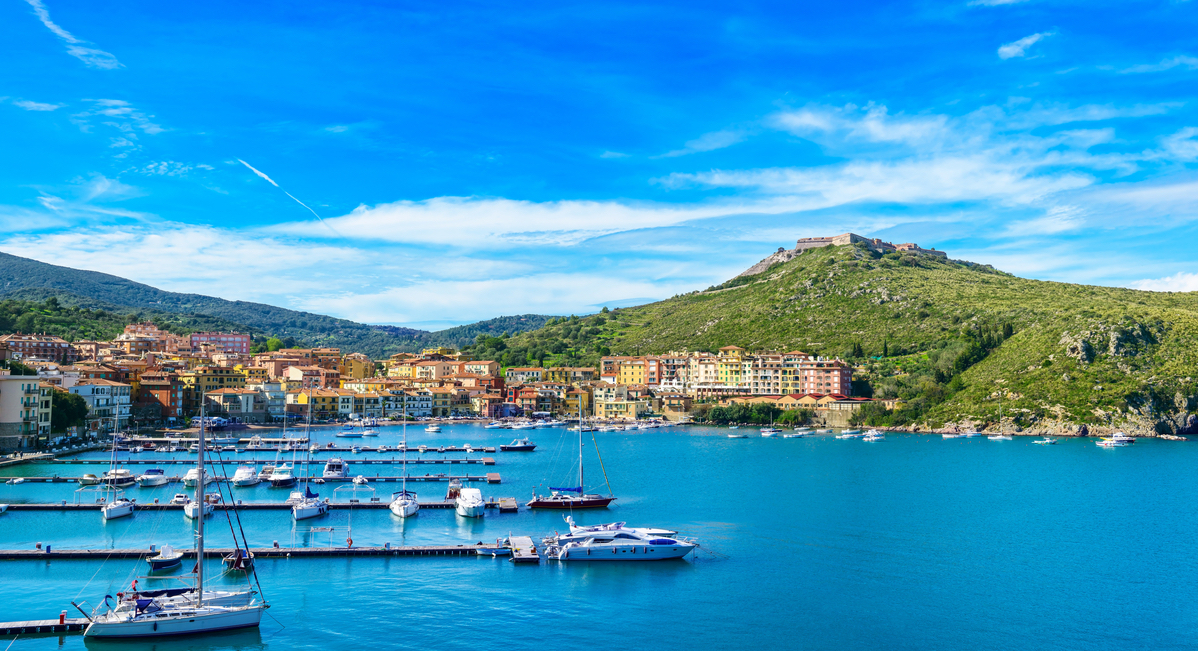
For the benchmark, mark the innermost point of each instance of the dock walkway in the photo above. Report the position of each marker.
(523, 550)
(45, 626)
(372, 503)
(258, 552)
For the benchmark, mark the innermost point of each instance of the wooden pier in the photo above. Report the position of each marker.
(523, 550)
(371, 503)
(486, 461)
(490, 478)
(258, 552)
(44, 627)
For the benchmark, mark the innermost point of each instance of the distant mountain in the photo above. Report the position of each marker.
(22, 278)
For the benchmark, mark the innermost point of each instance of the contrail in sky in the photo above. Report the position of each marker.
(272, 182)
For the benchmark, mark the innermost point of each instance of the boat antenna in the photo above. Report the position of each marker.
(200, 506)
(609, 491)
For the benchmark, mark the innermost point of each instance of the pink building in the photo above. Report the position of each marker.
(229, 342)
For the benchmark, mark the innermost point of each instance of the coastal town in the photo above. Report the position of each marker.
(147, 377)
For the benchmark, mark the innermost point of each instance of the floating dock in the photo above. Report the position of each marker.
(371, 503)
(258, 552)
(490, 478)
(523, 550)
(45, 626)
(486, 461)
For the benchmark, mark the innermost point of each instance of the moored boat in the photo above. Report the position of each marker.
(519, 445)
(469, 503)
(152, 477)
(165, 559)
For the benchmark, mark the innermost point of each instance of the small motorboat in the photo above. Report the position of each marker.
(356, 450)
(165, 559)
(435, 429)
(193, 477)
(336, 468)
(851, 434)
(1000, 437)
(950, 435)
(89, 480)
(16, 480)
(738, 435)
(495, 425)
(519, 445)
(179, 498)
(192, 510)
(361, 480)
(119, 477)
(770, 432)
(349, 434)
(152, 477)
(370, 431)
(972, 435)
(734, 427)
(423, 449)
(239, 561)
(873, 435)
(502, 547)
(1047, 441)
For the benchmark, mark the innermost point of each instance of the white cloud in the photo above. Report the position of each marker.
(36, 106)
(1059, 219)
(1182, 281)
(337, 128)
(994, 3)
(871, 123)
(90, 56)
(1019, 48)
(1188, 62)
(612, 154)
(708, 142)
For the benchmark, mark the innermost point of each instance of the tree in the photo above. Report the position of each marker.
(69, 410)
(885, 349)
(1007, 331)
(273, 344)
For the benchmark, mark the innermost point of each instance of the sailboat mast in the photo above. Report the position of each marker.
(404, 488)
(580, 484)
(200, 514)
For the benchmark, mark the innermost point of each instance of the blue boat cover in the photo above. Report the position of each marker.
(309, 494)
(568, 490)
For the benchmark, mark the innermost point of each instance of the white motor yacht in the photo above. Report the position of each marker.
(433, 428)
(617, 545)
(1112, 442)
(282, 477)
(193, 477)
(370, 431)
(336, 468)
(469, 503)
(873, 435)
(495, 425)
(246, 476)
(119, 477)
(576, 530)
(952, 436)
(1047, 441)
(152, 477)
(850, 434)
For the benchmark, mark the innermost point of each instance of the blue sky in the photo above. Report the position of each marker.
(396, 164)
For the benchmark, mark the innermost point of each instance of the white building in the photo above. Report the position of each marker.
(107, 404)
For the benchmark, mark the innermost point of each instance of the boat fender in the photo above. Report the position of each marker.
(155, 626)
(349, 542)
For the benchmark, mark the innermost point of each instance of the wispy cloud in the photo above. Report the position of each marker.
(708, 142)
(1187, 62)
(1019, 48)
(90, 56)
(613, 154)
(35, 106)
(994, 3)
(1180, 282)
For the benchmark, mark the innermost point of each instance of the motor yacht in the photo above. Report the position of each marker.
(618, 545)
(246, 476)
(495, 425)
(1000, 437)
(349, 434)
(519, 445)
(152, 477)
(119, 477)
(851, 434)
(951, 435)
(335, 468)
(370, 431)
(1046, 441)
(576, 530)
(435, 429)
(469, 503)
(165, 559)
(282, 477)
(873, 435)
(118, 508)
(193, 477)
(1112, 442)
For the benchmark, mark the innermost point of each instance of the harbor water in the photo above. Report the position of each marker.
(914, 542)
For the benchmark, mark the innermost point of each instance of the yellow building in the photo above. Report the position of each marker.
(211, 378)
(356, 366)
(729, 370)
(631, 371)
(402, 370)
(621, 409)
(439, 350)
(253, 373)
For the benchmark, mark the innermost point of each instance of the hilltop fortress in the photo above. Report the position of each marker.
(784, 255)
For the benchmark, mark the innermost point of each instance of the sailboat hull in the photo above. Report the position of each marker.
(585, 502)
(176, 623)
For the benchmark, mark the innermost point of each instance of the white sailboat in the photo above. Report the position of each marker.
(1001, 436)
(115, 506)
(404, 503)
(162, 615)
(310, 505)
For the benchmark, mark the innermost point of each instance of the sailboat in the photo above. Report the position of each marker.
(404, 502)
(309, 505)
(115, 506)
(573, 497)
(1001, 436)
(163, 613)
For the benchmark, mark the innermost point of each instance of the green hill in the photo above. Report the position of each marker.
(30, 280)
(945, 336)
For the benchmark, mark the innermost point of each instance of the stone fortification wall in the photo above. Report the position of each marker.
(845, 239)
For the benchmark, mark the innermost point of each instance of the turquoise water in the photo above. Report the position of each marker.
(914, 542)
